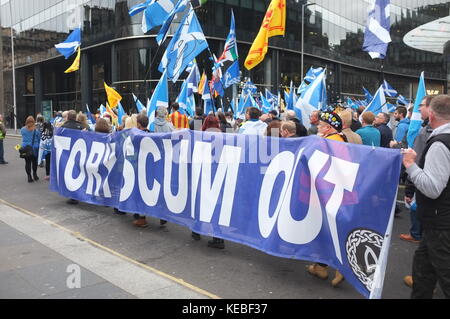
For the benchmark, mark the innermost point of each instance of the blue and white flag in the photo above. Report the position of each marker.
(184, 100)
(378, 103)
(193, 80)
(120, 113)
(188, 42)
(389, 90)
(155, 14)
(369, 96)
(416, 120)
(208, 101)
(290, 101)
(249, 88)
(139, 106)
(272, 98)
(351, 104)
(232, 75)
(376, 35)
(302, 88)
(159, 98)
(312, 74)
(179, 7)
(102, 110)
(139, 8)
(311, 199)
(90, 117)
(314, 98)
(71, 44)
(266, 105)
(402, 100)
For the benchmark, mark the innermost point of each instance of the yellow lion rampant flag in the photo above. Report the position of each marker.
(274, 23)
(113, 97)
(76, 63)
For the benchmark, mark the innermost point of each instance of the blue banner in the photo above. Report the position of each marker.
(307, 198)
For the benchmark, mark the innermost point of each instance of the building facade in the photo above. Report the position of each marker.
(115, 50)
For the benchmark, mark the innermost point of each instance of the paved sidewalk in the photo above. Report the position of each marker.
(35, 255)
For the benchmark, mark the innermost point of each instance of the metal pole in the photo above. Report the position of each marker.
(13, 69)
(303, 39)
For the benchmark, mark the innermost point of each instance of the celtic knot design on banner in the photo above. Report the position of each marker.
(363, 249)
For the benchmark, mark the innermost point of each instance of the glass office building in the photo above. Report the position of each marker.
(115, 50)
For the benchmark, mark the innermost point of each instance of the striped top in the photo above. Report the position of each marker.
(179, 121)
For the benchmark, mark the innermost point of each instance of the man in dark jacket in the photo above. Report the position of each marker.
(380, 124)
(431, 177)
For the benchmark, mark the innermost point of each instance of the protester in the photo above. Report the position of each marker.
(288, 129)
(45, 147)
(274, 128)
(122, 127)
(300, 128)
(274, 115)
(72, 123)
(142, 124)
(197, 122)
(356, 124)
(314, 121)
(102, 126)
(415, 232)
(225, 127)
(82, 119)
(400, 115)
(211, 124)
(2, 137)
(370, 135)
(230, 118)
(329, 127)
(380, 123)
(253, 125)
(31, 137)
(162, 125)
(131, 122)
(431, 177)
(347, 118)
(179, 121)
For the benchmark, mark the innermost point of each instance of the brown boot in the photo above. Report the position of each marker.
(408, 280)
(338, 278)
(319, 271)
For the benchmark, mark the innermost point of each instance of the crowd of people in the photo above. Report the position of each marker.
(425, 173)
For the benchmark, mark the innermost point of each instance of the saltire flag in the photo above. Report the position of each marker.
(314, 98)
(193, 80)
(113, 97)
(274, 23)
(159, 98)
(203, 83)
(89, 115)
(389, 90)
(76, 63)
(120, 114)
(402, 100)
(155, 14)
(369, 96)
(188, 42)
(266, 105)
(351, 104)
(312, 74)
(230, 52)
(216, 80)
(184, 100)
(378, 103)
(198, 3)
(249, 88)
(102, 110)
(71, 44)
(272, 98)
(376, 35)
(232, 75)
(208, 101)
(303, 86)
(290, 101)
(416, 119)
(139, 105)
(139, 8)
(179, 7)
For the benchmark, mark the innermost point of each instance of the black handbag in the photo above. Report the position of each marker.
(27, 151)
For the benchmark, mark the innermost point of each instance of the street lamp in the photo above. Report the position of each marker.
(303, 34)
(13, 68)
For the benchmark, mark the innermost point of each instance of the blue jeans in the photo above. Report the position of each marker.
(1, 151)
(416, 229)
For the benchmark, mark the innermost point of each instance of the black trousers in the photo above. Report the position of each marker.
(47, 164)
(431, 264)
(29, 163)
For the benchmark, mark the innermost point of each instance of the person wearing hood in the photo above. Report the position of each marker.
(161, 123)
